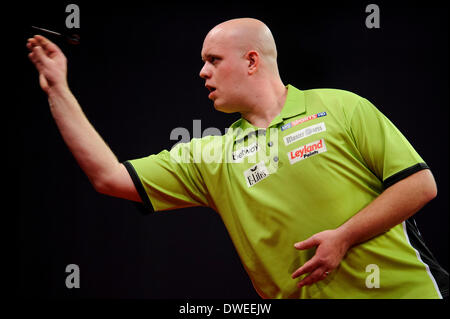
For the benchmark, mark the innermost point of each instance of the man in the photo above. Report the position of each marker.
(321, 169)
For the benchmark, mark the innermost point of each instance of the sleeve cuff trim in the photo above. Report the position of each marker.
(139, 187)
(403, 174)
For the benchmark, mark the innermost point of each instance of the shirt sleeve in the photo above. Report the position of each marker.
(170, 179)
(385, 150)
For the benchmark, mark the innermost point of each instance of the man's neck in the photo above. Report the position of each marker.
(267, 107)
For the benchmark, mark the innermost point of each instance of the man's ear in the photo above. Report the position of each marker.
(253, 61)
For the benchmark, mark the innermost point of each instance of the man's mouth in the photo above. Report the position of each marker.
(211, 90)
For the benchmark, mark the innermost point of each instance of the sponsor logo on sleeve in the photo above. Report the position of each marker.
(256, 173)
(306, 151)
(302, 120)
(307, 131)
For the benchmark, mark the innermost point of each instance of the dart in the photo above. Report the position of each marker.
(72, 39)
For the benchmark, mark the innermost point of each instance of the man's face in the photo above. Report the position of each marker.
(224, 71)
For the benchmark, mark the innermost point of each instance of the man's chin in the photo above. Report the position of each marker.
(222, 108)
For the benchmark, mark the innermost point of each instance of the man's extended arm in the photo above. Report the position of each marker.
(393, 206)
(96, 159)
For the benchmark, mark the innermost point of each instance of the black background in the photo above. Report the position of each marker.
(135, 74)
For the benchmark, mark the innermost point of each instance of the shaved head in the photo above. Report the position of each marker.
(240, 67)
(247, 34)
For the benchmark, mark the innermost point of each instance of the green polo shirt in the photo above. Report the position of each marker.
(326, 156)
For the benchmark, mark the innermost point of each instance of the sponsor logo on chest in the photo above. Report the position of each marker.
(307, 131)
(242, 153)
(302, 120)
(256, 173)
(306, 151)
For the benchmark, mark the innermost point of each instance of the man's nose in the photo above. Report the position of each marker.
(205, 73)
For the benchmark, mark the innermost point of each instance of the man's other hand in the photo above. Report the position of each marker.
(50, 63)
(331, 248)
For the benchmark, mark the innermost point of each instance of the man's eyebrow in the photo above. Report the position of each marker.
(209, 56)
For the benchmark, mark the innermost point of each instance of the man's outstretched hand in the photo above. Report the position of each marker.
(50, 63)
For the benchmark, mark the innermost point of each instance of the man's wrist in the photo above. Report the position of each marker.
(58, 91)
(345, 235)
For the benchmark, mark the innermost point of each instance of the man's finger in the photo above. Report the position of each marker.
(35, 61)
(306, 244)
(40, 54)
(46, 44)
(31, 43)
(312, 278)
(39, 58)
(309, 266)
